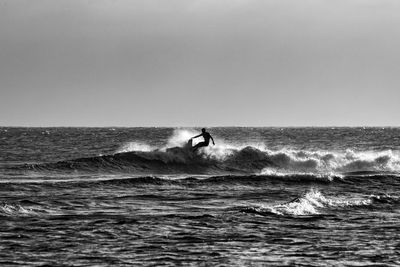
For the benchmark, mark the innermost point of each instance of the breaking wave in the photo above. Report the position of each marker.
(14, 209)
(235, 161)
(313, 202)
(176, 157)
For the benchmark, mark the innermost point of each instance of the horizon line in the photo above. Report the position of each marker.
(205, 126)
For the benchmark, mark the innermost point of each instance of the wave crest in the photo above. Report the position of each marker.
(13, 209)
(225, 158)
(314, 203)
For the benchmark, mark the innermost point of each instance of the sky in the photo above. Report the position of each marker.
(199, 63)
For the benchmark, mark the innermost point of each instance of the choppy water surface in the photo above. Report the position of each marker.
(261, 196)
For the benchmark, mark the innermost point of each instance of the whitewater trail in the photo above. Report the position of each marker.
(280, 162)
(229, 159)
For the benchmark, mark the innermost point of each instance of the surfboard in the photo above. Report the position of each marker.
(189, 143)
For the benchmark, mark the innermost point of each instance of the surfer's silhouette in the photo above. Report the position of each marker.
(206, 137)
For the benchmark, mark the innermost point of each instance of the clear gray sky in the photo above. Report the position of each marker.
(199, 63)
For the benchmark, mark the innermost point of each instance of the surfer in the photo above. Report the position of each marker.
(206, 137)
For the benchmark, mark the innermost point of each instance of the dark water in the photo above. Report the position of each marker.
(261, 196)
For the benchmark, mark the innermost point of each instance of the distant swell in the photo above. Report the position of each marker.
(195, 180)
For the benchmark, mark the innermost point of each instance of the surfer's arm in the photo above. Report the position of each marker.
(212, 140)
(197, 136)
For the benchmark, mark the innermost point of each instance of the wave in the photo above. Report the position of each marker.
(249, 160)
(14, 209)
(171, 161)
(313, 202)
(176, 157)
(127, 181)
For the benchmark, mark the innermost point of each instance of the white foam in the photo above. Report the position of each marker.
(15, 210)
(180, 137)
(135, 146)
(286, 160)
(269, 171)
(334, 162)
(219, 151)
(313, 202)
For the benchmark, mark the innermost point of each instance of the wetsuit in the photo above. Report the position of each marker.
(206, 137)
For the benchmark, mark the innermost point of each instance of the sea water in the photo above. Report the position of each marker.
(260, 196)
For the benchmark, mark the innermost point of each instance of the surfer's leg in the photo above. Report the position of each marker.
(201, 144)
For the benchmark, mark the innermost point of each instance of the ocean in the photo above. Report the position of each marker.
(259, 197)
